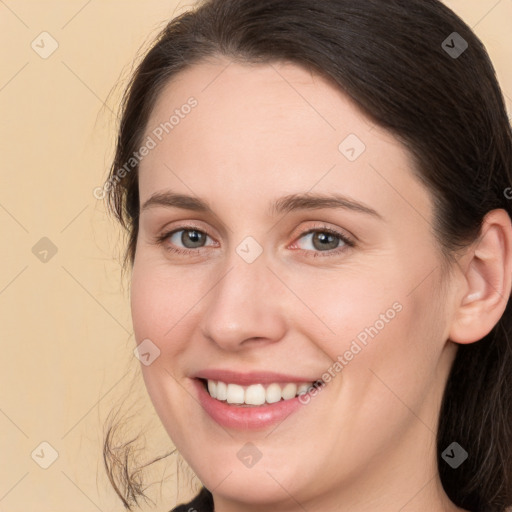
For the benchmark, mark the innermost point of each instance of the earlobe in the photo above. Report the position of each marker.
(487, 280)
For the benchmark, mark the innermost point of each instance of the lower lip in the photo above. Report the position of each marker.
(245, 418)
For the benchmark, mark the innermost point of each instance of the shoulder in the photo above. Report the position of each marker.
(203, 502)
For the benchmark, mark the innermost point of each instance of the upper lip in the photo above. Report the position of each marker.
(248, 378)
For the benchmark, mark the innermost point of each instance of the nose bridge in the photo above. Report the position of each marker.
(244, 303)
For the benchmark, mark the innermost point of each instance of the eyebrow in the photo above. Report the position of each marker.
(289, 203)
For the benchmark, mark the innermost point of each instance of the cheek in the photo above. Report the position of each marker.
(347, 306)
(162, 309)
(147, 306)
(160, 303)
(379, 321)
(390, 366)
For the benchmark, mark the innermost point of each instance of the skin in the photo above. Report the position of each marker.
(366, 442)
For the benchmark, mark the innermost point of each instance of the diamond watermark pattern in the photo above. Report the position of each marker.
(455, 45)
(44, 45)
(146, 352)
(352, 147)
(249, 249)
(44, 250)
(454, 455)
(45, 455)
(249, 455)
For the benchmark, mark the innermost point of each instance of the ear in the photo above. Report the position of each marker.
(487, 280)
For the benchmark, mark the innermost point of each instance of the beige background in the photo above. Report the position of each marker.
(65, 328)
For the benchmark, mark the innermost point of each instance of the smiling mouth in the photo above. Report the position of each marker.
(256, 394)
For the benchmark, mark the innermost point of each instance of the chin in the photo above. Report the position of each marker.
(270, 480)
(249, 487)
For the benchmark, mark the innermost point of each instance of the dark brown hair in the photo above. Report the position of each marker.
(389, 57)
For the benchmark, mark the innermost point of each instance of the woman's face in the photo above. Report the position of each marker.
(255, 299)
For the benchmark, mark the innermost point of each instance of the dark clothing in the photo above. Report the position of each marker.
(203, 502)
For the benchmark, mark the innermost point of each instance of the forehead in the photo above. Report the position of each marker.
(256, 96)
(269, 129)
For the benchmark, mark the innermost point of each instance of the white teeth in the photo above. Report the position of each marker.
(222, 391)
(235, 394)
(273, 393)
(212, 388)
(289, 391)
(255, 394)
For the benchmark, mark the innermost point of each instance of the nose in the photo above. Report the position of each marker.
(246, 306)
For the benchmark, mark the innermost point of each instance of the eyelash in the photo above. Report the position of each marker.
(160, 240)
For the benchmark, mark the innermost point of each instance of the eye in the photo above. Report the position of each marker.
(320, 241)
(189, 237)
(323, 240)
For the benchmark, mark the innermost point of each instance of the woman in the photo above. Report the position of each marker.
(321, 254)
